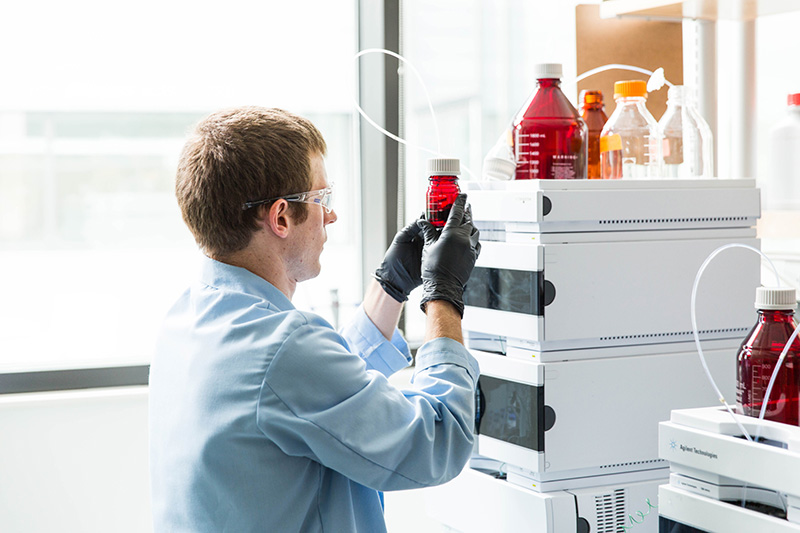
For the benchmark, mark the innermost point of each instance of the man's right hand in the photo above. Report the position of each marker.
(448, 258)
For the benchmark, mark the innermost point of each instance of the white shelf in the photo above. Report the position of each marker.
(697, 9)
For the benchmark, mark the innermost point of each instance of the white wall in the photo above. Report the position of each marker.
(74, 461)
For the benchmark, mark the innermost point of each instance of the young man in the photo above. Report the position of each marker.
(263, 417)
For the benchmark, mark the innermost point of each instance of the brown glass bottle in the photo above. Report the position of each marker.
(593, 114)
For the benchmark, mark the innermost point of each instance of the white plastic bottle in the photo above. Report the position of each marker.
(687, 145)
(782, 184)
(500, 163)
(630, 146)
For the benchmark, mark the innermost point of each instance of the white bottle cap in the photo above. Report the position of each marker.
(444, 167)
(543, 71)
(775, 298)
(497, 168)
(676, 94)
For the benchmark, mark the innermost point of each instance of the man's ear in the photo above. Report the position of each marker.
(277, 219)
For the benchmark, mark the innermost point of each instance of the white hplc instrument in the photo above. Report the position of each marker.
(578, 312)
(597, 264)
(478, 501)
(561, 424)
(720, 481)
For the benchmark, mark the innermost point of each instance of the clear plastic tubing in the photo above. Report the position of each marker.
(392, 136)
(695, 331)
(655, 82)
(424, 89)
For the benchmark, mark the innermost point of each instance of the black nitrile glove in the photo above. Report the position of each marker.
(448, 258)
(399, 273)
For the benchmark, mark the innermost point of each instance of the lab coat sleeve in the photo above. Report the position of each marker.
(319, 401)
(366, 340)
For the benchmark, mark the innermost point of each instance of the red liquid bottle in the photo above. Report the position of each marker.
(595, 118)
(442, 189)
(550, 137)
(759, 354)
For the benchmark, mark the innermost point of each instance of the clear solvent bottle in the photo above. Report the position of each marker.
(759, 354)
(687, 144)
(630, 146)
(442, 189)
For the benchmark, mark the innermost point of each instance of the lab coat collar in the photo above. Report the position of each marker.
(224, 276)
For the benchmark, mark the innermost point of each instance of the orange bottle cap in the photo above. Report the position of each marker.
(625, 89)
(591, 97)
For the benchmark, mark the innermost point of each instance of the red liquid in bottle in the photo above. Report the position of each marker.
(550, 137)
(758, 356)
(442, 192)
(595, 118)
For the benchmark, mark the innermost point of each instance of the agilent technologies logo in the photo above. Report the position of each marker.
(698, 451)
(673, 445)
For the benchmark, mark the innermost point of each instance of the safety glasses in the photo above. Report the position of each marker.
(323, 197)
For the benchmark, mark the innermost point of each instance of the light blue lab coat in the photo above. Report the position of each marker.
(263, 419)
